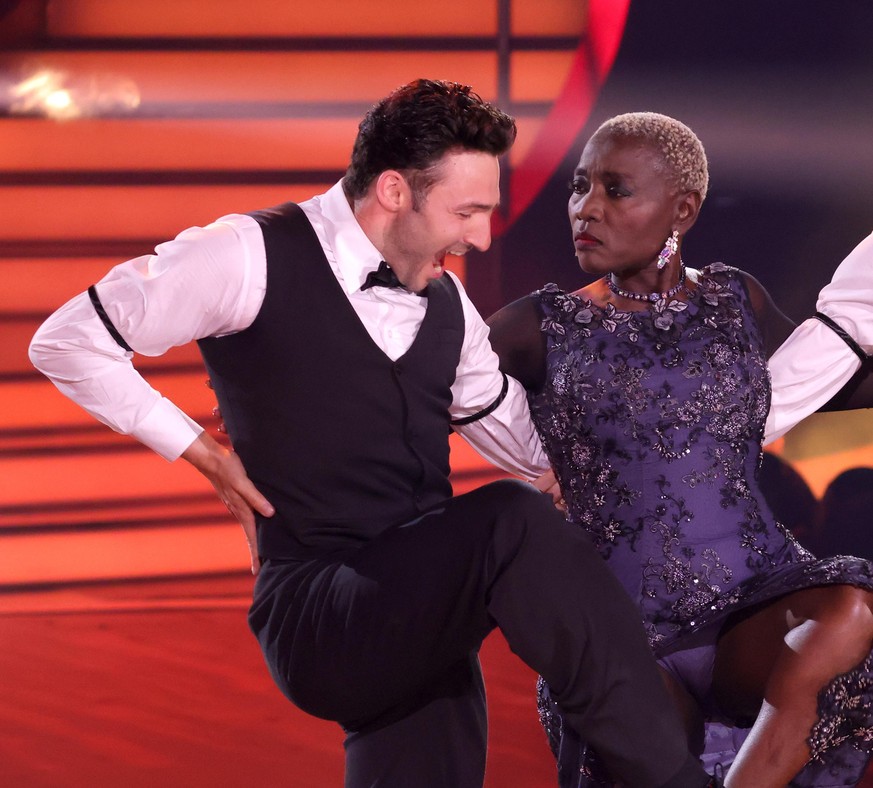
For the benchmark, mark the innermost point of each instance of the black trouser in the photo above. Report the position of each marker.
(384, 640)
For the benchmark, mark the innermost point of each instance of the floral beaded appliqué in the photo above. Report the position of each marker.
(629, 388)
(653, 422)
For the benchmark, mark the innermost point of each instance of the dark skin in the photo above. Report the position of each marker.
(770, 663)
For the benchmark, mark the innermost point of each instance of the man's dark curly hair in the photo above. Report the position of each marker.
(411, 129)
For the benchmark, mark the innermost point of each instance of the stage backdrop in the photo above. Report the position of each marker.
(123, 123)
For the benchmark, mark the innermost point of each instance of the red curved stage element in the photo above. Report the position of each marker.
(591, 65)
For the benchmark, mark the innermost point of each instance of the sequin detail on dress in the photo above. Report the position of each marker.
(653, 421)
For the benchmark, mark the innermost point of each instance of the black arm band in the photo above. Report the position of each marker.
(841, 333)
(485, 411)
(104, 318)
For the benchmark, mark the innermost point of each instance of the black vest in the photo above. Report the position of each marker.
(340, 439)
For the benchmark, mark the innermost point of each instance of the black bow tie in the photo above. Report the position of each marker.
(383, 276)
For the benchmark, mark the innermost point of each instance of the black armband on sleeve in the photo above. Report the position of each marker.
(485, 411)
(104, 318)
(842, 334)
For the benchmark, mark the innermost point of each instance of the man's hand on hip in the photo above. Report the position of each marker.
(225, 472)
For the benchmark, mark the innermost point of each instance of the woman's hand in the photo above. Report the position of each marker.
(548, 483)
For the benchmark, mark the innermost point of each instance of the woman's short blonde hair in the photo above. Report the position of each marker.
(679, 147)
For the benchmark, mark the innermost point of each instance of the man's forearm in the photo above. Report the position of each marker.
(507, 437)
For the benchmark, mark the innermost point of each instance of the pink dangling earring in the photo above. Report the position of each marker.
(668, 251)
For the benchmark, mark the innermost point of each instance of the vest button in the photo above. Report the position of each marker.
(398, 369)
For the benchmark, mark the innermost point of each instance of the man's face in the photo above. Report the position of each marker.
(452, 218)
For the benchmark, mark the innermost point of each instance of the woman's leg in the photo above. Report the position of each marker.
(772, 667)
(689, 712)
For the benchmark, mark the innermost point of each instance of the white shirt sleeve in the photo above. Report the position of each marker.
(505, 437)
(813, 364)
(208, 281)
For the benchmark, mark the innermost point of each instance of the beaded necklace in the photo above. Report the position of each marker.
(651, 297)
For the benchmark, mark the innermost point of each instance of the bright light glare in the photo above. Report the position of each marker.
(59, 100)
(62, 95)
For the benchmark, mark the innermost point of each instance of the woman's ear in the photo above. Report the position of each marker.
(687, 210)
(392, 191)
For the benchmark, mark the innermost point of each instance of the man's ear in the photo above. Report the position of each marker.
(392, 191)
(687, 210)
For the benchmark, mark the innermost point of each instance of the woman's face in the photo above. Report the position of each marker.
(622, 207)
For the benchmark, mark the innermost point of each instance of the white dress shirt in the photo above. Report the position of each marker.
(813, 364)
(210, 281)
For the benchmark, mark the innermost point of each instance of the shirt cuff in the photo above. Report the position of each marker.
(167, 430)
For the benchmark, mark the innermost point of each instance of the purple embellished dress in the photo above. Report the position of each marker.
(653, 422)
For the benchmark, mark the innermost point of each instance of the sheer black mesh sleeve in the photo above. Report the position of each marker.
(519, 343)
